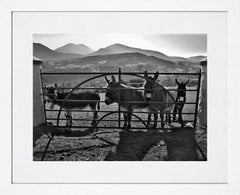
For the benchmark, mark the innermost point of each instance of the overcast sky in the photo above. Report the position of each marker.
(184, 45)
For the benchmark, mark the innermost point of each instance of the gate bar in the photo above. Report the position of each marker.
(103, 88)
(139, 112)
(133, 120)
(138, 102)
(116, 127)
(112, 73)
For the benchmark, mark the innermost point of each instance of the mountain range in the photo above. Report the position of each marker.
(118, 48)
(72, 51)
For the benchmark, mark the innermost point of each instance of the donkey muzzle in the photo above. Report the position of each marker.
(181, 99)
(148, 96)
(107, 101)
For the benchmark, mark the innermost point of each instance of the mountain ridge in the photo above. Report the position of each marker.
(44, 53)
(74, 48)
(118, 48)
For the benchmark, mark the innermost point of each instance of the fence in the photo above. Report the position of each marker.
(57, 120)
(196, 77)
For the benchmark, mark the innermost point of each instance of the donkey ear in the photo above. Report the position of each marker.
(146, 74)
(114, 80)
(107, 80)
(156, 75)
(186, 82)
(177, 82)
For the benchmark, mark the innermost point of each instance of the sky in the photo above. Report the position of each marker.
(184, 45)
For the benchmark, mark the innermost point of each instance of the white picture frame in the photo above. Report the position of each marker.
(25, 24)
(233, 159)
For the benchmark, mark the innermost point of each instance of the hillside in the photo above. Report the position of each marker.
(127, 61)
(45, 53)
(119, 48)
(196, 59)
(75, 48)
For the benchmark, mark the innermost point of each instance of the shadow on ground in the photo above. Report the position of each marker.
(134, 145)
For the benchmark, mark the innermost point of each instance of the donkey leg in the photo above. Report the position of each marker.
(129, 117)
(180, 117)
(95, 114)
(125, 120)
(174, 112)
(162, 120)
(155, 120)
(69, 118)
(168, 119)
(149, 119)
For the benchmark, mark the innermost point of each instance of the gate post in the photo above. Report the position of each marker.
(119, 98)
(197, 97)
(38, 107)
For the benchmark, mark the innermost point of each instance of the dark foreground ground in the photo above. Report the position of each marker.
(119, 145)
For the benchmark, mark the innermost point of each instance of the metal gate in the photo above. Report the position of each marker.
(57, 119)
(195, 88)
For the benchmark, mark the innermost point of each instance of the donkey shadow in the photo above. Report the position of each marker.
(134, 145)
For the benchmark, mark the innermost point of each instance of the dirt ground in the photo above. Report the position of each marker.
(120, 145)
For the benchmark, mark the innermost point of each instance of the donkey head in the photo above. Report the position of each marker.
(181, 93)
(149, 85)
(112, 90)
(51, 93)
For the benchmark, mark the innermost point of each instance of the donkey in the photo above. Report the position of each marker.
(124, 95)
(86, 98)
(179, 96)
(158, 98)
(143, 99)
(181, 99)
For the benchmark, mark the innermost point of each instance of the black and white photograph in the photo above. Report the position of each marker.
(120, 97)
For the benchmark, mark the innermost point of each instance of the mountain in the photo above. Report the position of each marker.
(178, 59)
(45, 53)
(120, 48)
(196, 59)
(75, 48)
(127, 61)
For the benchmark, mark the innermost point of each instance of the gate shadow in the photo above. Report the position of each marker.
(134, 145)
